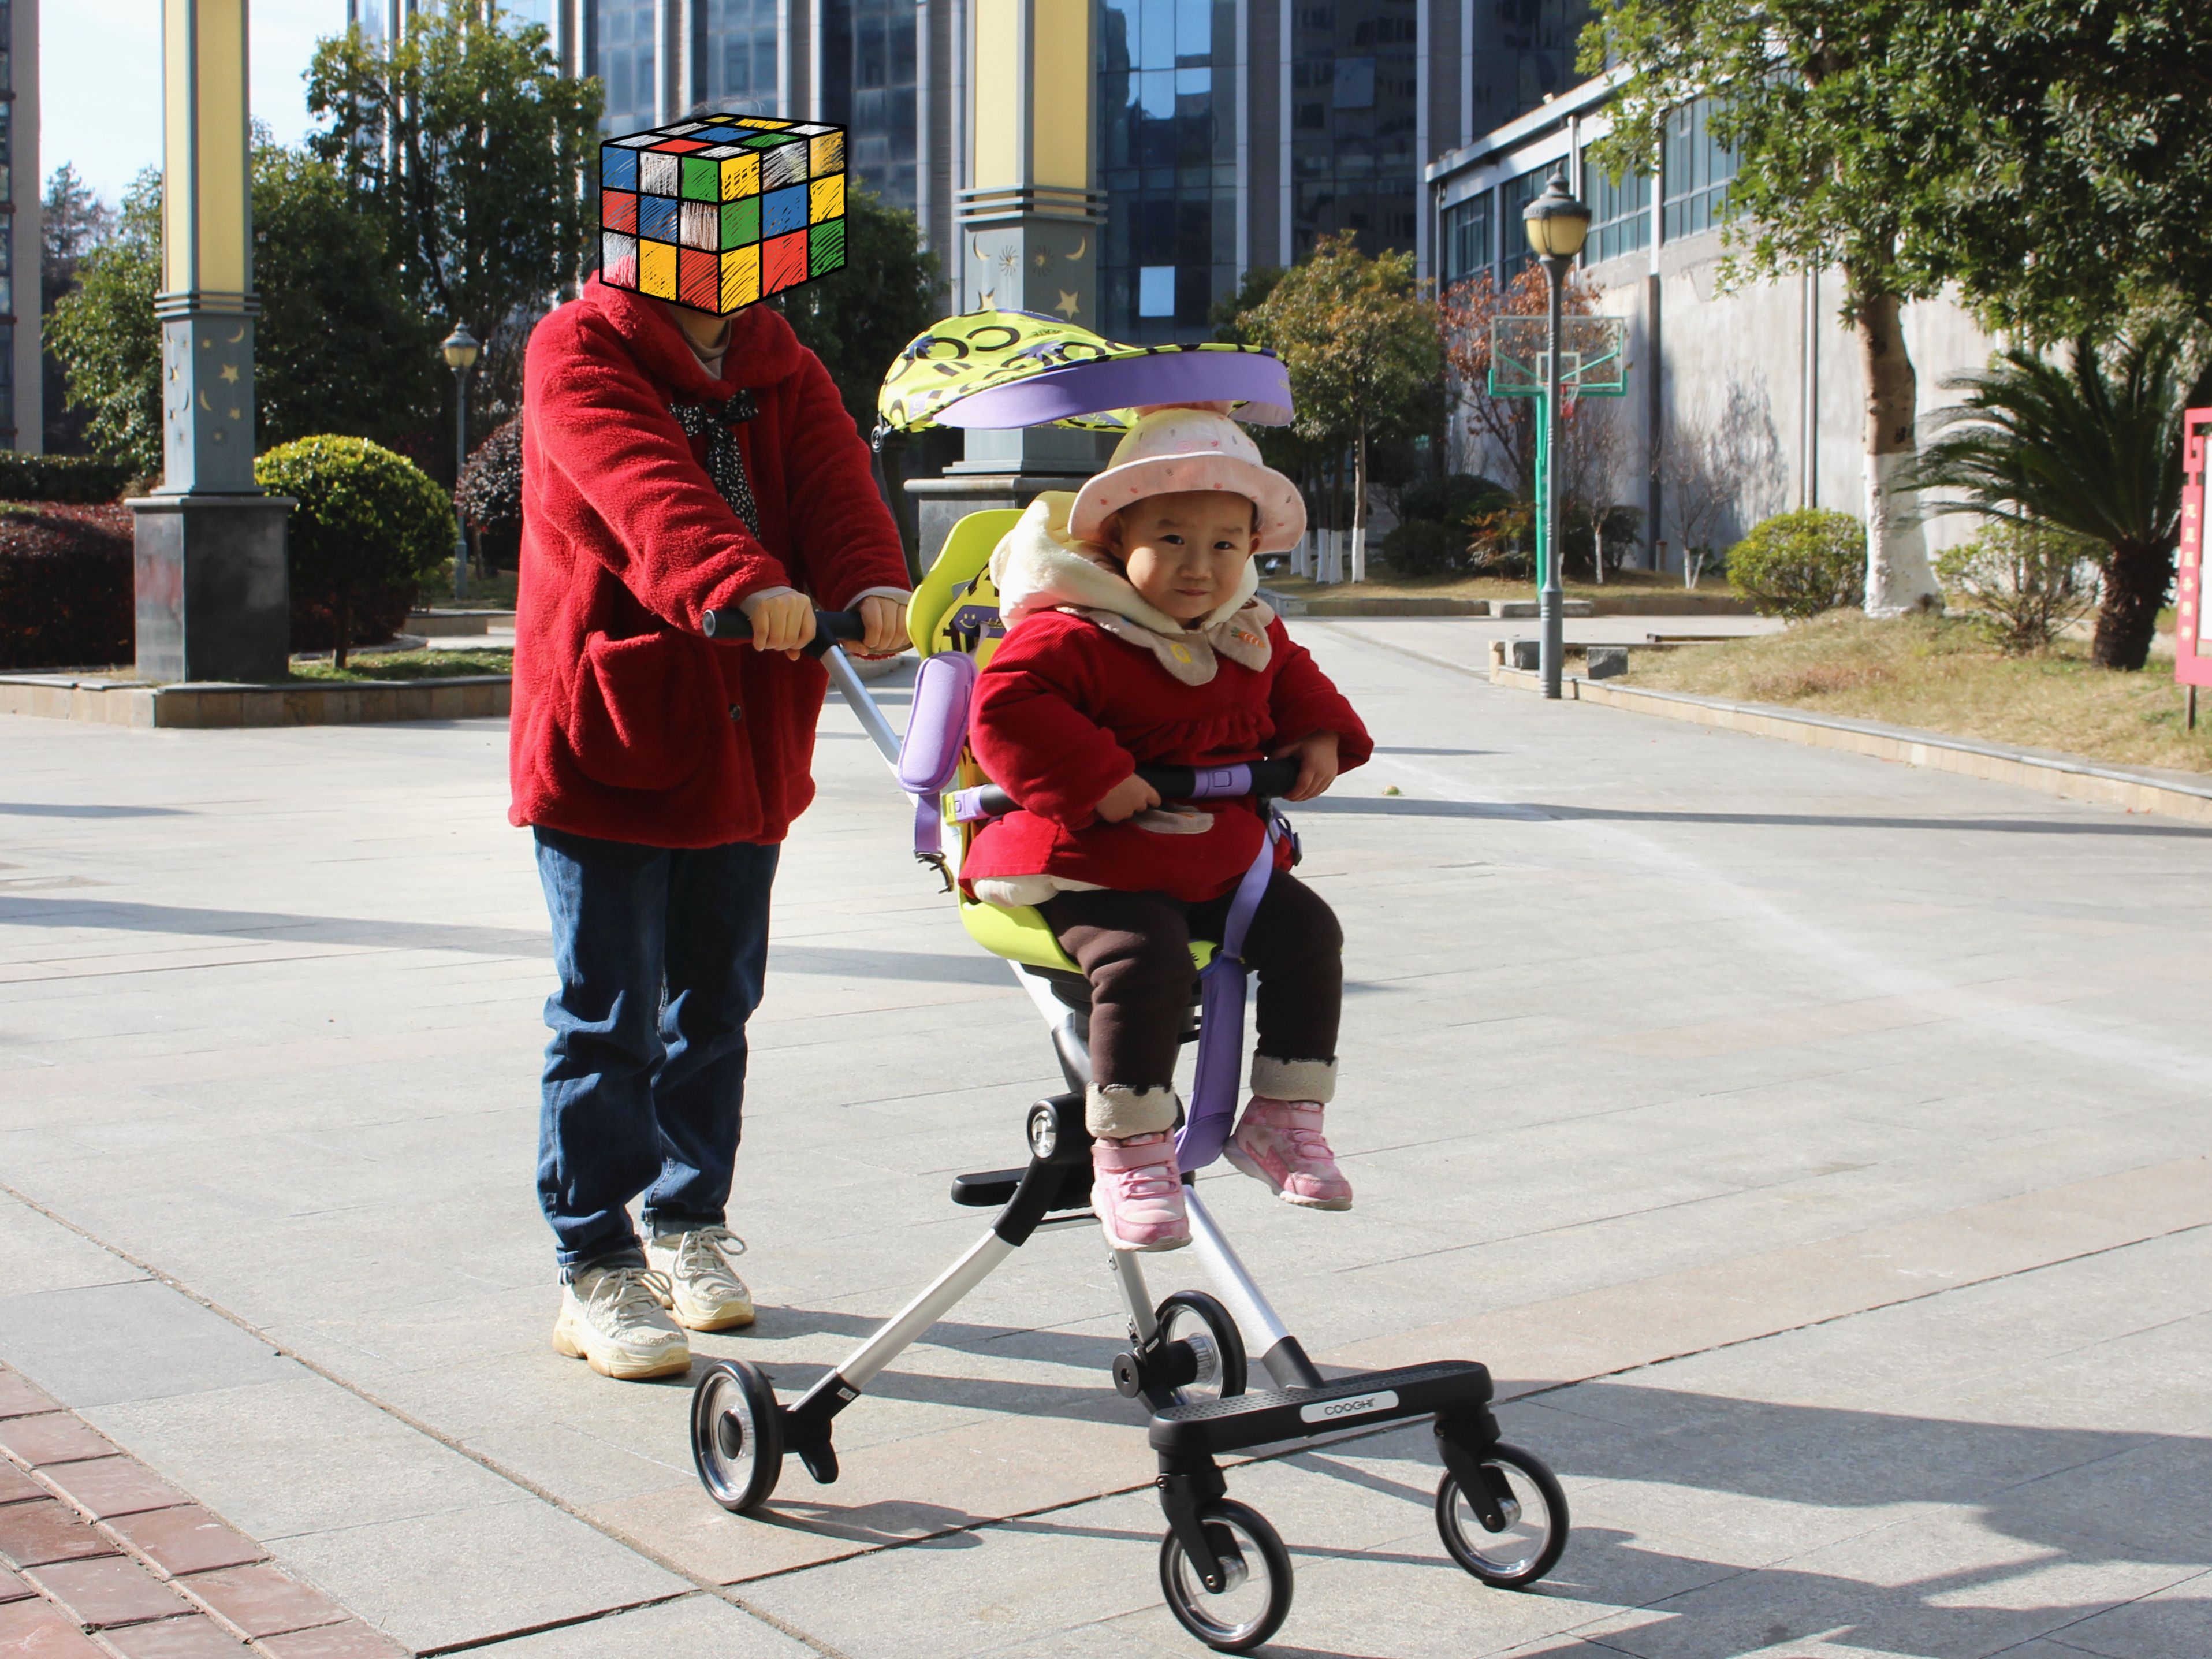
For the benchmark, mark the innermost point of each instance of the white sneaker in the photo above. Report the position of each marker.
(704, 1292)
(612, 1317)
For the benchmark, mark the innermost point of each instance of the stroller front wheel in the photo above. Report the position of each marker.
(737, 1435)
(1533, 1510)
(1256, 1597)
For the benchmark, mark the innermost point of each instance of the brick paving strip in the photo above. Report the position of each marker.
(101, 1559)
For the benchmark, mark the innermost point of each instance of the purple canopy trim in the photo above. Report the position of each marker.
(1256, 380)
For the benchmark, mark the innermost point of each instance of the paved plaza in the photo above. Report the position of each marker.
(1816, 1149)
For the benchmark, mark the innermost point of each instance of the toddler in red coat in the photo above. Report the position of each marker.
(1134, 637)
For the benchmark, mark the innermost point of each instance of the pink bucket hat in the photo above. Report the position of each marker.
(1179, 448)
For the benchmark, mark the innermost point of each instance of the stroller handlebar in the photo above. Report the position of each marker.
(830, 628)
(1272, 777)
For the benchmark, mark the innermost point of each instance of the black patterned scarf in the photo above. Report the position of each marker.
(726, 465)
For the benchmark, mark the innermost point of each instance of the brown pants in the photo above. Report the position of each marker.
(1135, 949)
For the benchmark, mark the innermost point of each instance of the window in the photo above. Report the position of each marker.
(1354, 96)
(734, 58)
(1167, 134)
(619, 48)
(1470, 243)
(869, 78)
(1697, 167)
(1620, 214)
(1514, 195)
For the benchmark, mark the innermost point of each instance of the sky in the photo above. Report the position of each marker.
(100, 81)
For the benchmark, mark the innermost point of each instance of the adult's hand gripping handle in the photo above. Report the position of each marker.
(830, 628)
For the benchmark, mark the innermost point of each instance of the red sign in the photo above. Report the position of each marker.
(2192, 625)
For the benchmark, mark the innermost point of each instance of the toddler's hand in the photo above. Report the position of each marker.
(1127, 799)
(1316, 756)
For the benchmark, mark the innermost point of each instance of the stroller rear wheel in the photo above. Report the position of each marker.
(1533, 1512)
(1256, 1596)
(737, 1435)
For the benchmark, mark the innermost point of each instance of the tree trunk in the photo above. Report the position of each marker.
(1359, 510)
(341, 620)
(1898, 579)
(2137, 578)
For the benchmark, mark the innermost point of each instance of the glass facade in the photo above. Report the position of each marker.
(733, 63)
(1470, 239)
(618, 48)
(1521, 51)
(869, 78)
(1620, 214)
(1697, 167)
(1167, 90)
(1354, 89)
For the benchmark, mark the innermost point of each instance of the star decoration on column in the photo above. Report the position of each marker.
(1068, 306)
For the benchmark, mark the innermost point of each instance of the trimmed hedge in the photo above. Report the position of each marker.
(66, 599)
(1799, 564)
(85, 480)
(369, 527)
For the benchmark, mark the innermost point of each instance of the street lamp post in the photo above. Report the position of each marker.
(460, 347)
(1556, 223)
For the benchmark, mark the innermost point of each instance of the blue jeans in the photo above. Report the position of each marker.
(661, 952)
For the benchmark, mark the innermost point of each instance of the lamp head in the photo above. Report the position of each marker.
(461, 347)
(1557, 223)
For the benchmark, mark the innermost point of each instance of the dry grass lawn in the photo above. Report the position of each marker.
(1940, 675)
(1383, 584)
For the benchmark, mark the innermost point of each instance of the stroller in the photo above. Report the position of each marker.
(1224, 1569)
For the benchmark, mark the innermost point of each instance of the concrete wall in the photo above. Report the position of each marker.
(1728, 379)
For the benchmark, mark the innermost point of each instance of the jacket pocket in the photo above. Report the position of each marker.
(641, 711)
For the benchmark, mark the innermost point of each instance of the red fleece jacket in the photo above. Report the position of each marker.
(1066, 710)
(628, 724)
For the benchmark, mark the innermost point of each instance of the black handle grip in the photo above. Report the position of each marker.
(830, 628)
(1270, 777)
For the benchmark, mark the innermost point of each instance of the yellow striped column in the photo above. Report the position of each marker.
(213, 602)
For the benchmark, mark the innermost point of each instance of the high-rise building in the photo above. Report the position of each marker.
(22, 419)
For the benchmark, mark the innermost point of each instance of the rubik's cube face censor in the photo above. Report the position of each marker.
(719, 214)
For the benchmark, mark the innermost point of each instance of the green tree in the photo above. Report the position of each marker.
(2090, 446)
(1361, 346)
(2086, 181)
(73, 222)
(469, 143)
(1835, 140)
(105, 334)
(338, 347)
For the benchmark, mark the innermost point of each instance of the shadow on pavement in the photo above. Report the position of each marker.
(1394, 806)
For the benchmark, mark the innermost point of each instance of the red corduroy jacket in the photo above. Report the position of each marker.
(1066, 711)
(628, 723)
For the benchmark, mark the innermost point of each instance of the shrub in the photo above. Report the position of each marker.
(84, 479)
(1419, 547)
(1448, 499)
(490, 493)
(1501, 538)
(66, 599)
(369, 527)
(2027, 581)
(1799, 564)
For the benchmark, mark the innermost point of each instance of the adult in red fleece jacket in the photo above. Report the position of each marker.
(672, 464)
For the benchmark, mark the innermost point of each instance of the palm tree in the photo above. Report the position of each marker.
(2092, 446)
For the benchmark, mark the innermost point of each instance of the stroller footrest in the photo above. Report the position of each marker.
(989, 1188)
(1211, 1426)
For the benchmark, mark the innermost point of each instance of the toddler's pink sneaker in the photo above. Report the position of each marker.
(1279, 1142)
(1138, 1193)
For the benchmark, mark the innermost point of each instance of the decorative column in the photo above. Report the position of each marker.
(214, 603)
(1027, 224)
